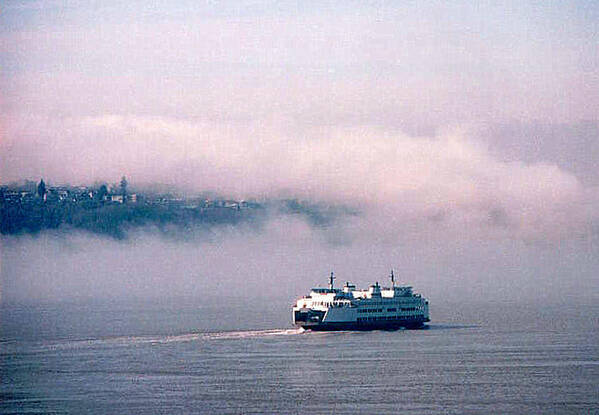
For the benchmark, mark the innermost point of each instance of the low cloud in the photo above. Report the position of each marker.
(283, 260)
(446, 181)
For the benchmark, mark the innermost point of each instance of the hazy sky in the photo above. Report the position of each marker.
(450, 124)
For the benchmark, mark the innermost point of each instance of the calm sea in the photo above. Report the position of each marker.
(184, 356)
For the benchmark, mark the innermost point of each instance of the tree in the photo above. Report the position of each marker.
(41, 188)
(102, 191)
(124, 188)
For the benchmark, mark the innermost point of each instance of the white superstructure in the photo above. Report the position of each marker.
(348, 308)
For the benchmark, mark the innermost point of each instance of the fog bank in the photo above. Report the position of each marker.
(286, 259)
(464, 135)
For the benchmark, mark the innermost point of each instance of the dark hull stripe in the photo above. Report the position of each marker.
(370, 325)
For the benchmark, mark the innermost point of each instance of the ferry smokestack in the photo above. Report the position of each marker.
(331, 279)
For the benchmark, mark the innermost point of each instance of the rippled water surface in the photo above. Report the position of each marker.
(186, 357)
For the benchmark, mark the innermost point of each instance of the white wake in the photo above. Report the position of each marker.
(127, 341)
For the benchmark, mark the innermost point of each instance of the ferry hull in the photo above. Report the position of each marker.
(364, 326)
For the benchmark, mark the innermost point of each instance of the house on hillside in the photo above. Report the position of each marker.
(114, 198)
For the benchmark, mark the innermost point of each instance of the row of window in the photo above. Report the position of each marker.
(326, 304)
(370, 310)
(390, 310)
(385, 318)
(390, 301)
(364, 310)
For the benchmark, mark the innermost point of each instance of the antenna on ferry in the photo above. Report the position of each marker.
(331, 279)
(392, 279)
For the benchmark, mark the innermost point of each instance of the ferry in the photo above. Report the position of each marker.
(347, 308)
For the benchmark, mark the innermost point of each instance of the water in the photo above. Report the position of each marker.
(190, 357)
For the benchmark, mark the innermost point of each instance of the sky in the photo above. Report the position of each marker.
(465, 132)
